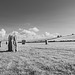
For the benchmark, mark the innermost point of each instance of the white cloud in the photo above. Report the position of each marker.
(56, 34)
(14, 33)
(28, 32)
(34, 29)
(47, 34)
(20, 29)
(2, 32)
(32, 34)
(41, 36)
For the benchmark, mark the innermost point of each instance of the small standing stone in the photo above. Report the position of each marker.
(0, 43)
(23, 41)
(6, 42)
(46, 42)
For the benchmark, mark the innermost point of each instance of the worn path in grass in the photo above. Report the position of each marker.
(39, 59)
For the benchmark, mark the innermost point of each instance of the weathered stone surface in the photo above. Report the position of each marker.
(46, 42)
(23, 41)
(12, 44)
(0, 43)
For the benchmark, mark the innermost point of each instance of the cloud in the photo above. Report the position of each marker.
(47, 34)
(28, 32)
(34, 29)
(20, 29)
(31, 33)
(15, 33)
(41, 36)
(56, 34)
(2, 32)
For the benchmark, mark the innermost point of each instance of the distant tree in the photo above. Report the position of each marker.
(59, 36)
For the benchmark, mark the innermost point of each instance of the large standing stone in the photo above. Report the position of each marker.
(12, 45)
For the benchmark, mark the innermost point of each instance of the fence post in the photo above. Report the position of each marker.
(12, 45)
(46, 42)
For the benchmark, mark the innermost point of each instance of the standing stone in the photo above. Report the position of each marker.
(0, 43)
(6, 42)
(12, 45)
(46, 42)
(23, 41)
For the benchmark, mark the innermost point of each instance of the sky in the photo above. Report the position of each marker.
(53, 16)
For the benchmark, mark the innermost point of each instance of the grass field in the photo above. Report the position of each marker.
(56, 58)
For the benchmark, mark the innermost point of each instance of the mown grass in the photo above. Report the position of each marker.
(23, 68)
(38, 60)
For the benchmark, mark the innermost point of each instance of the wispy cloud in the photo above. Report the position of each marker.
(28, 32)
(34, 29)
(31, 33)
(47, 34)
(15, 33)
(20, 29)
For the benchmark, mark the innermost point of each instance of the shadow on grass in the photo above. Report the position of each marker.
(5, 51)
